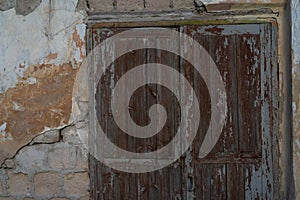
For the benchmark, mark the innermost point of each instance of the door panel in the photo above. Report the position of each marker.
(242, 165)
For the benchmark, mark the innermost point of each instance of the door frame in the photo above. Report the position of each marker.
(166, 19)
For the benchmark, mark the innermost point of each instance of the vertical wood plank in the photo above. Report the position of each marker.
(203, 175)
(245, 62)
(218, 182)
(235, 181)
(249, 88)
(267, 110)
(253, 182)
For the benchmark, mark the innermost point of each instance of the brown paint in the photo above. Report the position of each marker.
(51, 56)
(215, 30)
(79, 43)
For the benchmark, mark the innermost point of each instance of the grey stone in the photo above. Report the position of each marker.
(130, 5)
(95, 5)
(81, 159)
(101, 5)
(31, 158)
(81, 124)
(46, 184)
(24, 7)
(62, 156)
(3, 175)
(47, 137)
(9, 163)
(70, 135)
(7, 4)
(76, 184)
(183, 5)
(157, 5)
(18, 184)
(7, 198)
(81, 5)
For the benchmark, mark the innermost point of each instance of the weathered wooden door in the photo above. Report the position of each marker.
(243, 163)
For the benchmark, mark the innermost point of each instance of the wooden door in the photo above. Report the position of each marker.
(243, 163)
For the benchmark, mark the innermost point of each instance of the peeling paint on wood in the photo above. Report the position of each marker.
(246, 60)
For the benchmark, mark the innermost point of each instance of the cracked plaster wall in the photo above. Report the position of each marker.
(40, 54)
(42, 44)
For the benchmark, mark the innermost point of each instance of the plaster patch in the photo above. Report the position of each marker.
(31, 80)
(47, 30)
(17, 107)
(51, 56)
(294, 106)
(78, 43)
(28, 109)
(2, 129)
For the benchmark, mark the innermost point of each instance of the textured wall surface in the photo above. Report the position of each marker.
(42, 44)
(40, 56)
(296, 90)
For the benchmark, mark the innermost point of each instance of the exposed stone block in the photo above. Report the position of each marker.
(101, 5)
(9, 163)
(59, 199)
(46, 184)
(1, 189)
(81, 159)
(18, 184)
(157, 5)
(24, 7)
(70, 136)
(81, 124)
(130, 5)
(182, 5)
(84, 198)
(60, 156)
(51, 136)
(3, 175)
(76, 184)
(82, 133)
(31, 158)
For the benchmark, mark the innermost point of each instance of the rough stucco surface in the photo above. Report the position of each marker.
(42, 45)
(39, 57)
(296, 91)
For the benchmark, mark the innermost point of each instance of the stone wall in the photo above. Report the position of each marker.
(43, 103)
(52, 166)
